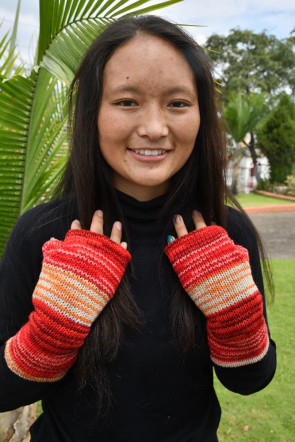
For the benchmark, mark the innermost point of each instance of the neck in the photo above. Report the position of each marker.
(141, 193)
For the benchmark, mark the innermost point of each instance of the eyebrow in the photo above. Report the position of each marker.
(126, 88)
(171, 90)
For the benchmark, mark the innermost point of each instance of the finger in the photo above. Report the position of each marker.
(198, 220)
(76, 224)
(124, 245)
(116, 233)
(97, 222)
(179, 225)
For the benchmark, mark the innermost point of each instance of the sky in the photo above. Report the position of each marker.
(276, 17)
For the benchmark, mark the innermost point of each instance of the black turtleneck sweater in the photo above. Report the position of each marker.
(158, 394)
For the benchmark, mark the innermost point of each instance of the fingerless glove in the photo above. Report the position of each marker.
(217, 276)
(79, 277)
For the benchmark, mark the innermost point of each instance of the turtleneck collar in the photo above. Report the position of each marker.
(143, 220)
(141, 210)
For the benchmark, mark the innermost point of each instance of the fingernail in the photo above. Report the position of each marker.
(196, 213)
(177, 219)
(118, 225)
(170, 238)
(124, 245)
(76, 222)
(99, 213)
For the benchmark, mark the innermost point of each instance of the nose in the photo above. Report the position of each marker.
(153, 123)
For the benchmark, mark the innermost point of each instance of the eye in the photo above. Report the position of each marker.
(178, 104)
(126, 103)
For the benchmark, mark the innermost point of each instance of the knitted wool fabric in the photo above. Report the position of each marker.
(79, 277)
(217, 276)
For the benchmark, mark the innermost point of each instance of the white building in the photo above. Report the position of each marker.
(247, 180)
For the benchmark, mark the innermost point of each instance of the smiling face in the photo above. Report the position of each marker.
(149, 116)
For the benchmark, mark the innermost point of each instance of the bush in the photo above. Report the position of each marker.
(290, 182)
(276, 139)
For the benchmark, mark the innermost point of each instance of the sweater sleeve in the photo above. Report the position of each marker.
(19, 271)
(254, 377)
(215, 272)
(78, 278)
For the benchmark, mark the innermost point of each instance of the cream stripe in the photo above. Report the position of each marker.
(68, 278)
(219, 293)
(216, 305)
(232, 269)
(104, 285)
(67, 309)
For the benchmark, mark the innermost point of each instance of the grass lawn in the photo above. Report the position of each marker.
(268, 415)
(254, 199)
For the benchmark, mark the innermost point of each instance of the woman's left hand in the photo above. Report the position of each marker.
(180, 226)
(216, 274)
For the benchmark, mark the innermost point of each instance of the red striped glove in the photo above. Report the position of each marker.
(79, 277)
(217, 276)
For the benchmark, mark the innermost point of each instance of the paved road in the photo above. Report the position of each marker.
(278, 233)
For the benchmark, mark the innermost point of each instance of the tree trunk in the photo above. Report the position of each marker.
(235, 179)
(15, 424)
(251, 146)
(235, 159)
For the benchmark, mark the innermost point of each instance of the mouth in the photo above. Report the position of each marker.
(149, 152)
(149, 155)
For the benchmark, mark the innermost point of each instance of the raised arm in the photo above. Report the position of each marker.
(216, 274)
(79, 277)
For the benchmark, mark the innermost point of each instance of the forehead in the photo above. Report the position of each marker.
(146, 58)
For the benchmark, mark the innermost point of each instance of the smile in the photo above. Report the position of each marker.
(149, 155)
(149, 152)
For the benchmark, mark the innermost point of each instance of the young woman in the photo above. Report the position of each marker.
(147, 280)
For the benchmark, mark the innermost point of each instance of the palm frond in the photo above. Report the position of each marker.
(68, 47)
(8, 58)
(242, 114)
(85, 20)
(33, 144)
(59, 14)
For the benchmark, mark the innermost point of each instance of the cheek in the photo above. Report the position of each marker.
(104, 124)
(111, 128)
(188, 133)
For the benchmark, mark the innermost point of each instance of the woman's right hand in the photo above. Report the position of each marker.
(79, 276)
(97, 227)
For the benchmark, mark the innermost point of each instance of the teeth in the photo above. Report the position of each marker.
(149, 151)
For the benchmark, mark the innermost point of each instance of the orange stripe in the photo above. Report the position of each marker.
(64, 296)
(81, 304)
(72, 314)
(78, 314)
(215, 285)
(52, 272)
(222, 270)
(224, 301)
(57, 284)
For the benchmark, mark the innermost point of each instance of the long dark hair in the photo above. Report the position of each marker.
(87, 180)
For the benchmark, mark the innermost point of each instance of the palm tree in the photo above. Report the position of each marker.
(242, 113)
(33, 142)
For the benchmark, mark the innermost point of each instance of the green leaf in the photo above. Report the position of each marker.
(32, 142)
(33, 145)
